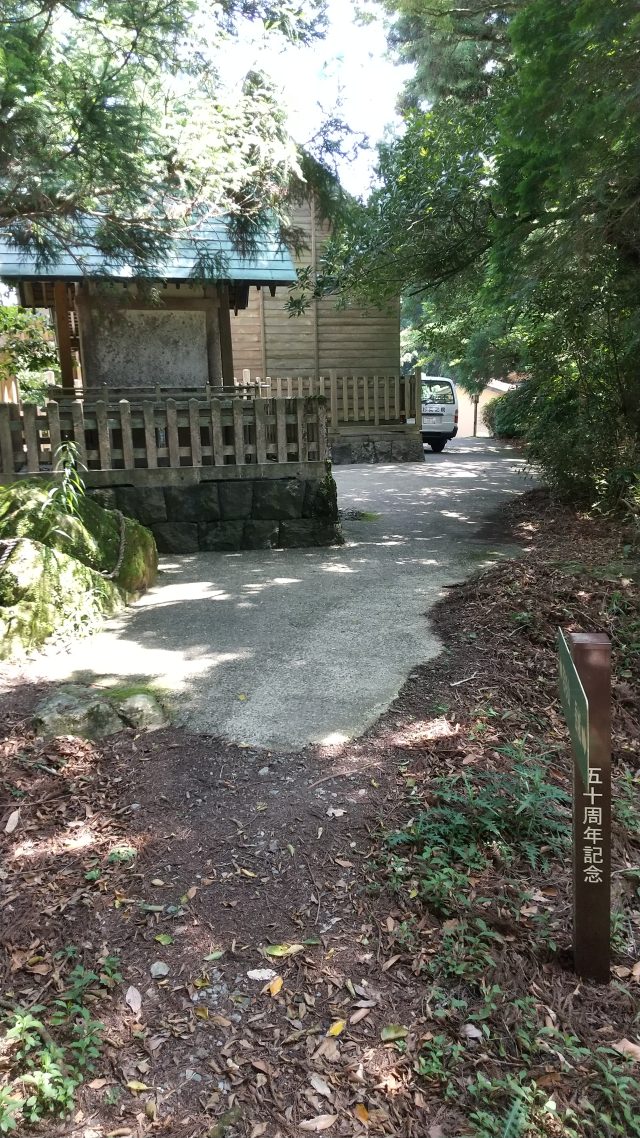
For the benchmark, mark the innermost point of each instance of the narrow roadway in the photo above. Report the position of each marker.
(291, 647)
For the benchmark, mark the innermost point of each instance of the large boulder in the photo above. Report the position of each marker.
(44, 591)
(93, 713)
(93, 536)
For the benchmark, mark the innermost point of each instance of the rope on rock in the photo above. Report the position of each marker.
(7, 546)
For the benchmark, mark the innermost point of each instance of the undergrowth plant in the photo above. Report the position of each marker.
(47, 1051)
(67, 491)
(513, 816)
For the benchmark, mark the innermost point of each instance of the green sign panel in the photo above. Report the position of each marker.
(575, 705)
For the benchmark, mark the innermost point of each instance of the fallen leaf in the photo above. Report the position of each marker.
(98, 1084)
(157, 881)
(261, 974)
(328, 1050)
(319, 1085)
(436, 1131)
(136, 1087)
(337, 1027)
(471, 1031)
(621, 971)
(133, 999)
(449, 926)
(259, 1129)
(215, 955)
(275, 986)
(283, 949)
(333, 813)
(247, 872)
(158, 969)
(626, 1047)
(635, 971)
(393, 1031)
(12, 821)
(390, 962)
(361, 1113)
(261, 1065)
(343, 862)
(361, 1013)
(320, 1122)
(164, 938)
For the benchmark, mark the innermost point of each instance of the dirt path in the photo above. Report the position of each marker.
(217, 861)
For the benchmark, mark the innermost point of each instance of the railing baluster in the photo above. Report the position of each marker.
(238, 432)
(194, 432)
(6, 442)
(31, 437)
(148, 414)
(217, 439)
(55, 436)
(77, 417)
(333, 379)
(261, 430)
(172, 433)
(322, 431)
(127, 437)
(104, 438)
(281, 429)
(303, 443)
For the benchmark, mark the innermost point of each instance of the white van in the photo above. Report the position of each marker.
(439, 411)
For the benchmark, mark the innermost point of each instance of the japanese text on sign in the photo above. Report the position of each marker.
(592, 832)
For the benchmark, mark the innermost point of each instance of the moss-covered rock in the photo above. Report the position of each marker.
(43, 591)
(93, 537)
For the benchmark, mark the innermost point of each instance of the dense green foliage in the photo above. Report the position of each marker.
(115, 127)
(510, 207)
(27, 350)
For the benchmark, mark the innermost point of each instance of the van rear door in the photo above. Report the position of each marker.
(439, 407)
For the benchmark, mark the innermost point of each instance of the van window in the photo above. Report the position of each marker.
(437, 391)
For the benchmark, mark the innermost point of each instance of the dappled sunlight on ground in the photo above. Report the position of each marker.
(287, 647)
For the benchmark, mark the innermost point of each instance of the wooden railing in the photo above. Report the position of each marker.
(364, 399)
(174, 433)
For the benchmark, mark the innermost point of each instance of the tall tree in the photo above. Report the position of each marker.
(115, 128)
(512, 206)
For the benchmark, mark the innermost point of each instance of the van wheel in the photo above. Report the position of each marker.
(437, 445)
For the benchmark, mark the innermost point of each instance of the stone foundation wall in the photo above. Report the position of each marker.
(365, 448)
(233, 514)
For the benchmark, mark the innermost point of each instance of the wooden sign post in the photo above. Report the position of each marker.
(585, 694)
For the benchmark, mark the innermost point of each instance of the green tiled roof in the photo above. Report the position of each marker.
(270, 263)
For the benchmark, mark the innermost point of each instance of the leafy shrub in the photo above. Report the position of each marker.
(27, 351)
(505, 416)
